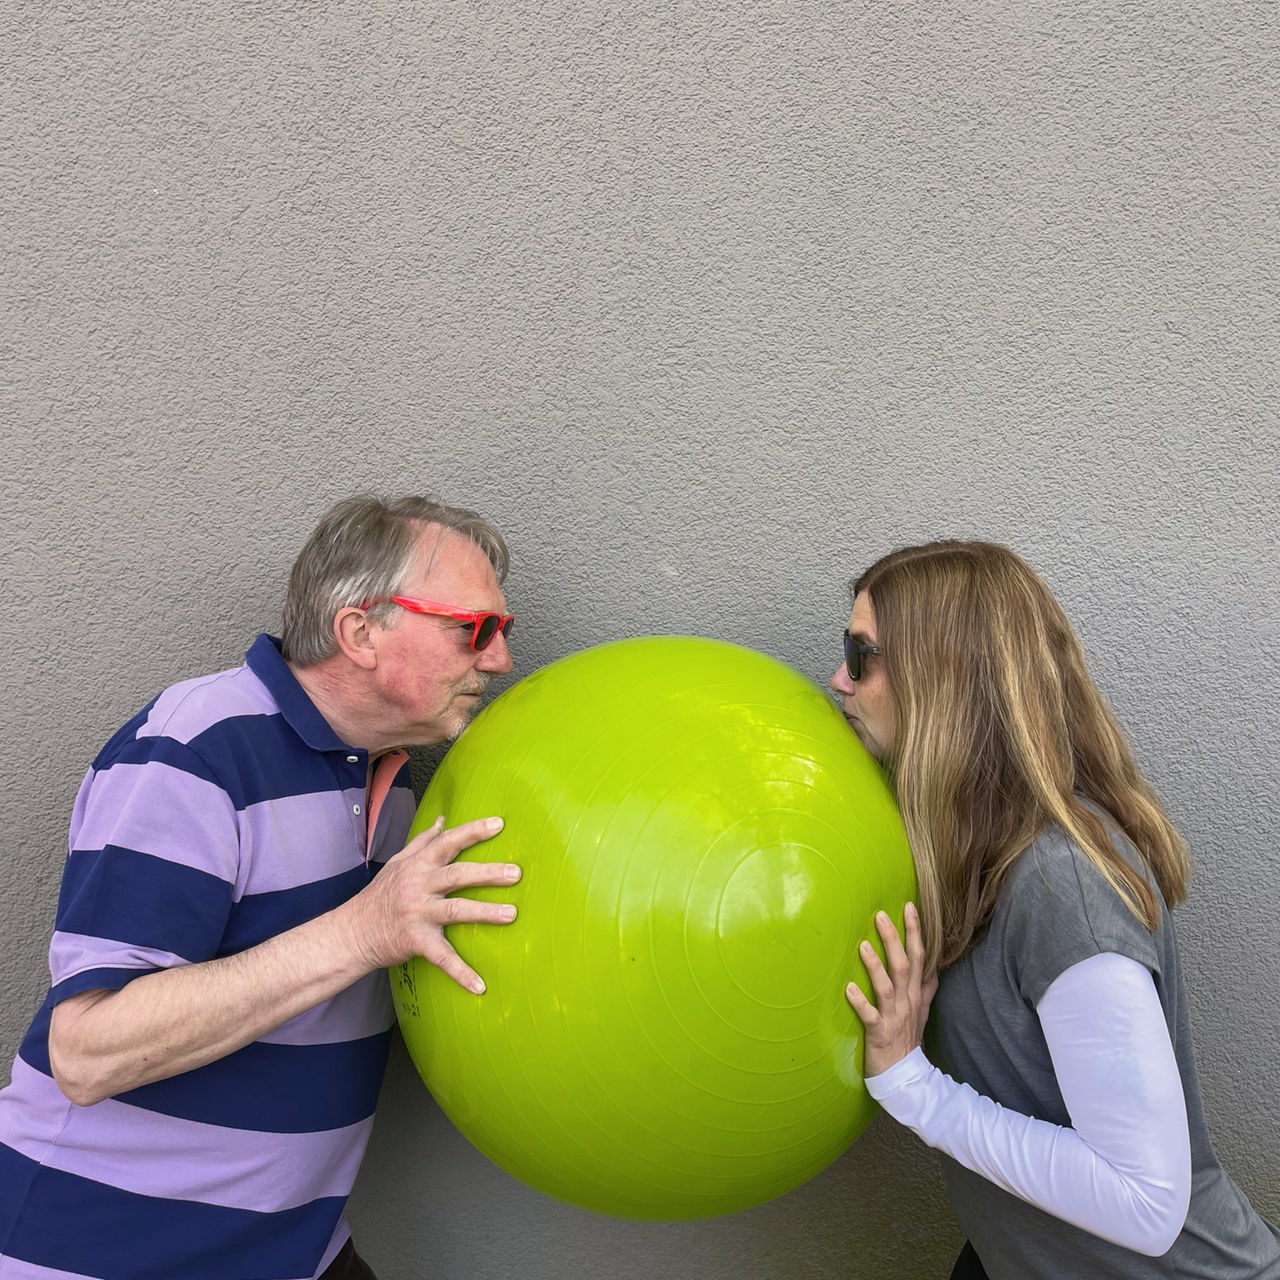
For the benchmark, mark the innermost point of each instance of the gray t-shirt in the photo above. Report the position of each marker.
(1054, 911)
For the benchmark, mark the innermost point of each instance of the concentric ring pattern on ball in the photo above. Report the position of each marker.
(704, 843)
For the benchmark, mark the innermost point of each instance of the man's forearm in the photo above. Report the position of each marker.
(105, 1042)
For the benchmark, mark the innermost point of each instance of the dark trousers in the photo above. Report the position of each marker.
(968, 1265)
(348, 1265)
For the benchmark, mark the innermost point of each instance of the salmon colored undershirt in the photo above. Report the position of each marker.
(383, 774)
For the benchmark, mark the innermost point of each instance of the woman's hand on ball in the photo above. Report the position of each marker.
(894, 1024)
(403, 913)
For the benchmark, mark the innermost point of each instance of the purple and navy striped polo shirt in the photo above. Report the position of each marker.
(226, 812)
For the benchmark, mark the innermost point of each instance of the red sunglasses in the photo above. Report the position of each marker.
(485, 624)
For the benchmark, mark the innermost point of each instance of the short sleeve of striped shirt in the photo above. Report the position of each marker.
(152, 866)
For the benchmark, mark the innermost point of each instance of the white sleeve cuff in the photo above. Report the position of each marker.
(902, 1075)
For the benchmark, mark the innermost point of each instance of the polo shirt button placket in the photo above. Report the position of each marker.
(358, 780)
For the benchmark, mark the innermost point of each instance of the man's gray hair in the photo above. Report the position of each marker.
(364, 547)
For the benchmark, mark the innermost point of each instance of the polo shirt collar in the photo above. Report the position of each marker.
(266, 662)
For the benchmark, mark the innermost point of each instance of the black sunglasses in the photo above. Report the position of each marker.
(855, 651)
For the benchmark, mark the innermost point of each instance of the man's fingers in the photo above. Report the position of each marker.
(443, 844)
(448, 911)
(446, 843)
(447, 960)
(424, 837)
(471, 875)
(470, 911)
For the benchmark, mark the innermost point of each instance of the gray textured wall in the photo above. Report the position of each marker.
(707, 305)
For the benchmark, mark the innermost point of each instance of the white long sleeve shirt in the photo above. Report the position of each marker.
(1123, 1169)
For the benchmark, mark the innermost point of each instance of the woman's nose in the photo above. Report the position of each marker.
(840, 682)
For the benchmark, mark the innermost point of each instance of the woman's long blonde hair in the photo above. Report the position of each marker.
(1000, 733)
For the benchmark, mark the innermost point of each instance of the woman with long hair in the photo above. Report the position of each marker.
(1057, 1075)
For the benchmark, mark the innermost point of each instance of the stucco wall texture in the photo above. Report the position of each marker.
(706, 305)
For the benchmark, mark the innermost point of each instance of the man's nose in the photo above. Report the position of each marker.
(496, 656)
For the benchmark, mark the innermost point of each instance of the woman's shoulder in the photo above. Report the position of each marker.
(1055, 858)
(1053, 863)
(1057, 903)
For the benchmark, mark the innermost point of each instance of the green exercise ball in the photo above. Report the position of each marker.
(704, 843)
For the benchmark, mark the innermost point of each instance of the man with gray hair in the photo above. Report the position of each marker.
(194, 1097)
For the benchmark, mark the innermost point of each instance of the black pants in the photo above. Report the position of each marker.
(968, 1265)
(348, 1265)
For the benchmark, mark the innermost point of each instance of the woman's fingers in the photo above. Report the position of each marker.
(897, 982)
(894, 1020)
(881, 982)
(915, 950)
(895, 953)
(915, 943)
(861, 1005)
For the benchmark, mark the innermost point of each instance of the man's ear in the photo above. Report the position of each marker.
(352, 631)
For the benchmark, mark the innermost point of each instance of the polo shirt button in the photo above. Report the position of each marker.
(353, 759)
(355, 808)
